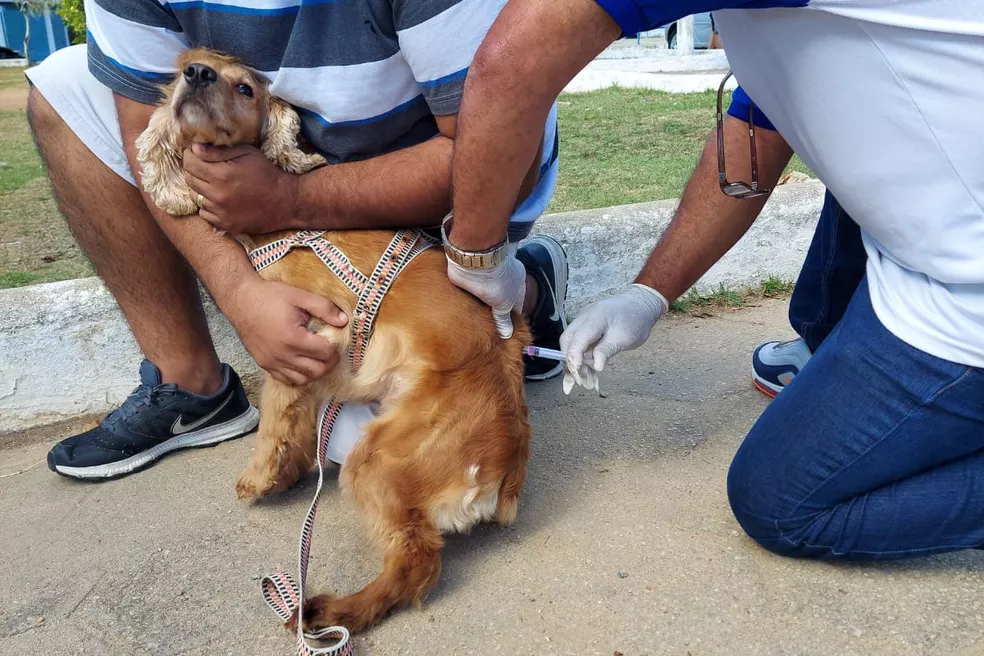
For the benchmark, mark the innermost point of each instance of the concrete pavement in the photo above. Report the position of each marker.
(661, 70)
(624, 543)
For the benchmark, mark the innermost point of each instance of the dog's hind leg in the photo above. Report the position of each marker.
(508, 504)
(285, 444)
(512, 483)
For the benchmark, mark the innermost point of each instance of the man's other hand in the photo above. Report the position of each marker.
(611, 326)
(502, 288)
(272, 318)
(242, 192)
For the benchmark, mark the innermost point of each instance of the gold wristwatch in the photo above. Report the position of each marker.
(471, 260)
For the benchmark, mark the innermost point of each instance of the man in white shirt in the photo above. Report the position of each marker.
(875, 449)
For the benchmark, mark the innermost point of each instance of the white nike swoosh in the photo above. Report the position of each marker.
(178, 428)
(553, 295)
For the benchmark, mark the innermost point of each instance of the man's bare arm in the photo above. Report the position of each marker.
(270, 317)
(706, 225)
(499, 127)
(218, 260)
(707, 222)
(406, 188)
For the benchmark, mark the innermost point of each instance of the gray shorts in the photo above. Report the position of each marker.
(85, 104)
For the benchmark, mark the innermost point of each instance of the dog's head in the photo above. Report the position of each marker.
(214, 100)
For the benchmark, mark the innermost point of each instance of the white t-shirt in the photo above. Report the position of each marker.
(884, 101)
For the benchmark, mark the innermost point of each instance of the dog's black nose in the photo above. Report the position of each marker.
(200, 75)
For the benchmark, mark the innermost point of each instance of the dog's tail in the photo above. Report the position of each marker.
(411, 567)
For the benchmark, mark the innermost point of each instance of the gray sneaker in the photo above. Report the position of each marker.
(775, 364)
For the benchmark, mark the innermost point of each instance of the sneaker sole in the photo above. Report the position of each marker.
(765, 387)
(556, 371)
(231, 429)
(558, 258)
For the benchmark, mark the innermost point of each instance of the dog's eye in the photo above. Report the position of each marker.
(245, 89)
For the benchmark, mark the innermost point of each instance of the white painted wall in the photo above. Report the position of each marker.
(685, 36)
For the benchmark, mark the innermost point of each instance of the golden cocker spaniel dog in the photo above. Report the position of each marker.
(449, 446)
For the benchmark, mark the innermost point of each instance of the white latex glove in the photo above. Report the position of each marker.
(608, 327)
(502, 288)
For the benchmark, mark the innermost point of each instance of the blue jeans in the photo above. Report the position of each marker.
(832, 271)
(875, 450)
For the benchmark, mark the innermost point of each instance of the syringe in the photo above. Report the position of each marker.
(549, 354)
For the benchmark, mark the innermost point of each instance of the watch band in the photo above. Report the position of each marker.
(471, 260)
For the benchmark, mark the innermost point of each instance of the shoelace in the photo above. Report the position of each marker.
(143, 396)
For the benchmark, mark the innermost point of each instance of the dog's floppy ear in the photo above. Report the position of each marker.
(159, 153)
(279, 139)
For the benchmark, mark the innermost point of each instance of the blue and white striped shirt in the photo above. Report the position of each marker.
(367, 76)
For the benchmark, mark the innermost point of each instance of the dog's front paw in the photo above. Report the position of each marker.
(176, 200)
(253, 485)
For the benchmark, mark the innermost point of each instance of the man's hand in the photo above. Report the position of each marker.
(608, 327)
(502, 288)
(272, 317)
(242, 191)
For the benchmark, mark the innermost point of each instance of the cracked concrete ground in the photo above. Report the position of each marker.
(624, 543)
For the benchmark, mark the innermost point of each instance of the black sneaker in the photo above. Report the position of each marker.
(545, 260)
(154, 420)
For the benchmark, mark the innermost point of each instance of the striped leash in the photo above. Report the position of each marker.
(282, 593)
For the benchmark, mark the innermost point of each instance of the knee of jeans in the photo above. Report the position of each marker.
(757, 507)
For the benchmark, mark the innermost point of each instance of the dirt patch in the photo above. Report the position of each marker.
(13, 99)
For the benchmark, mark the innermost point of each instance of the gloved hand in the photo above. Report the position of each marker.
(502, 288)
(608, 327)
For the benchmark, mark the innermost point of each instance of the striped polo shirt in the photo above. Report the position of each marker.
(367, 76)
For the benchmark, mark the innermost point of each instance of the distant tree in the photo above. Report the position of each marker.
(73, 13)
(29, 8)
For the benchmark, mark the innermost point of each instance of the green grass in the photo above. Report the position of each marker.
(19, 161)
(618, 146)
(777, 287)
(697, 304)
(35, 244)
(18, 279)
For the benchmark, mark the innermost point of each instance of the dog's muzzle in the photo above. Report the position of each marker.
(200, 75)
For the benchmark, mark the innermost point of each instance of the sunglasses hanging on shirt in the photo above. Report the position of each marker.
(737, 189)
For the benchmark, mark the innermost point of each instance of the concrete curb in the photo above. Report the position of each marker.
(606, 247)
(65, 349)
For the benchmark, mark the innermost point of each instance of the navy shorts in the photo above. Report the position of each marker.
(741, 103)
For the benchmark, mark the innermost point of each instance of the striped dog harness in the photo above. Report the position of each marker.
(280, 590)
